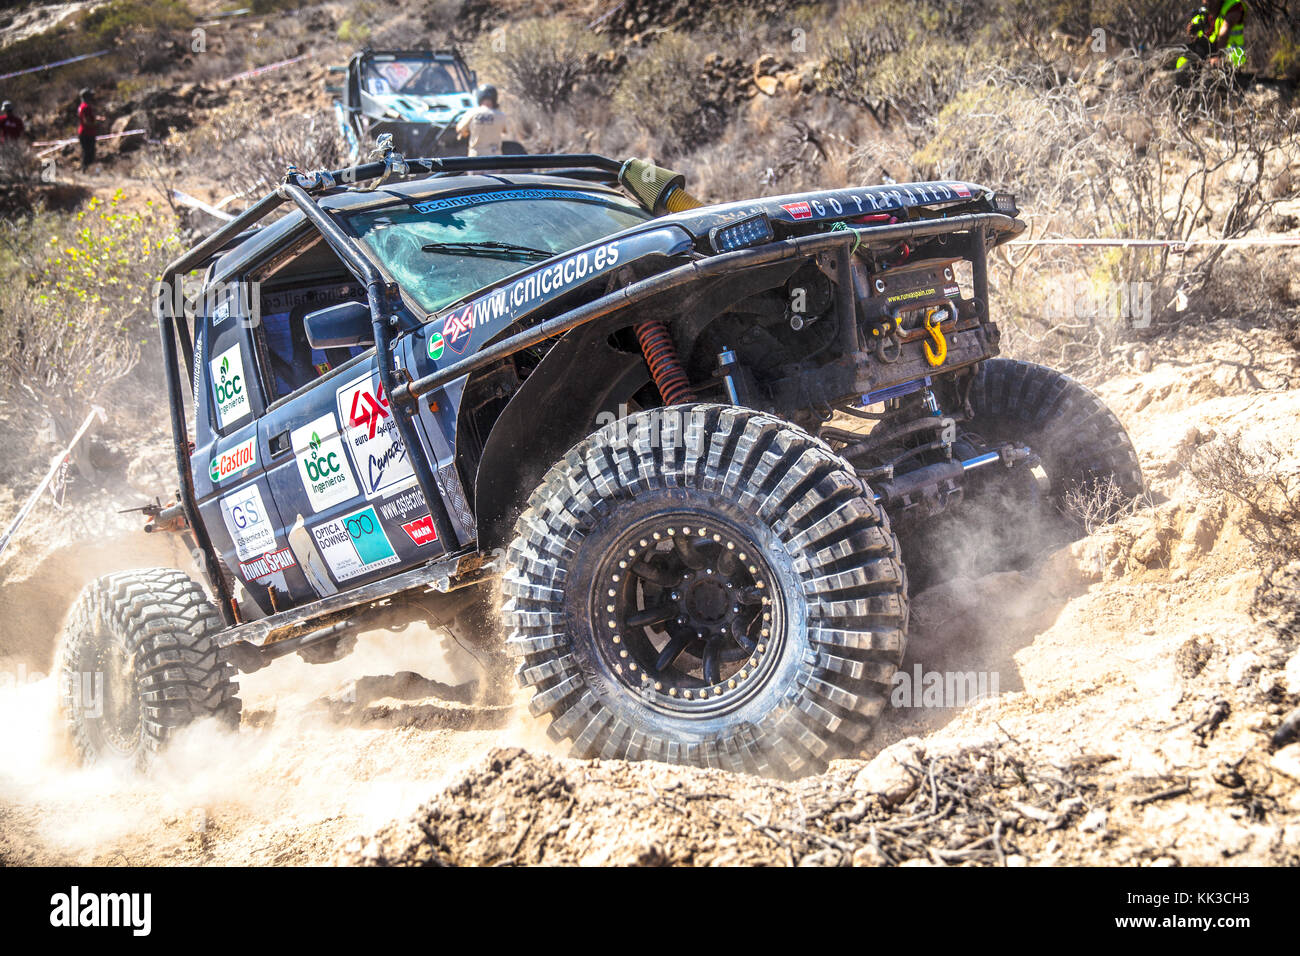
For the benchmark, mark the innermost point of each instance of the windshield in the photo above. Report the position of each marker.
(444, 250)
(413, 77)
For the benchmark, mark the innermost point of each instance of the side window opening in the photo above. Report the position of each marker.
(313, 279)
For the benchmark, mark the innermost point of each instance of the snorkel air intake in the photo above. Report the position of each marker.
(659, 190)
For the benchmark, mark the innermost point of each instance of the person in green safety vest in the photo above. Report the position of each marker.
(1226, 34)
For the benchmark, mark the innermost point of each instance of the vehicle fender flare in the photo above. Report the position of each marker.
(583, 375)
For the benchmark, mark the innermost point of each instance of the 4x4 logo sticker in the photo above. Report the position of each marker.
(354, 544)
(322, 464)
(370, 433)
(229, 387)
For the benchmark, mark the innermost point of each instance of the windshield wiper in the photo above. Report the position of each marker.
(500, 250)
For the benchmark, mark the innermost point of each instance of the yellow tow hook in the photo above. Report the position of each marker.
(934, 327)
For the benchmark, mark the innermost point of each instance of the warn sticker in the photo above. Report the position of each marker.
(421, 530)
(799, 210)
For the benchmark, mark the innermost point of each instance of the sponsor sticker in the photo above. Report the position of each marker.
(323, 464)
(354, 544)
(458, 326)
(268, 565)
(229, 386)
(370, 434)
(913, 294)
(479, 199)
(960, 190)
(233, 460)
(248, 523)
(196, 372)
(798, 210)
(421, 530)
(403, 506)
(436, 345)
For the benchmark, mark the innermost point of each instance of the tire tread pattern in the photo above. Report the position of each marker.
(843, 551)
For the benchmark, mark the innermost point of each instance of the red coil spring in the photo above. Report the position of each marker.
(665, 367)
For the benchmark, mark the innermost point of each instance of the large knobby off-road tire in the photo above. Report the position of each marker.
(1080, 441)
(138, 662)
(706, 585)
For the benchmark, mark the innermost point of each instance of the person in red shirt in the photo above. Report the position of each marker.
(11, 125)
(86, 128)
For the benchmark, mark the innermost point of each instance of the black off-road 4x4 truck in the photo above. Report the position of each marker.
(668, 437)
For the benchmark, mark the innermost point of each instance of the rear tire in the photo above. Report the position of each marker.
(138, 661)
(770, 580)
(1079, 439)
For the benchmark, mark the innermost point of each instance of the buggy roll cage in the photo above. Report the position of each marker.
(299, 189)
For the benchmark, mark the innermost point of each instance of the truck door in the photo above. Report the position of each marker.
(229, 463)
(340, 475)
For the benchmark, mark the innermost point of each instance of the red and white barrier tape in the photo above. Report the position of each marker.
(265, 69)
(53, 144)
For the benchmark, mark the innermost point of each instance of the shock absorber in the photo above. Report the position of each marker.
(660, 191)
(665, 367)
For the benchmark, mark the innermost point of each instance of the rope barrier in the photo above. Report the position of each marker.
(1156, 243)
(56, 466)
(50, 66)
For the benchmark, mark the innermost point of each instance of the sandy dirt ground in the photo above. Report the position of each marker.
(1130, 721)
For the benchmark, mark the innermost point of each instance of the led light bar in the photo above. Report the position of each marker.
(753, 231)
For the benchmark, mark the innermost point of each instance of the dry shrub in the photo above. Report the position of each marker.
(1124, 154)
(1263, 482)
(780, 145)
(17, 163)
(251, 158)
(539, 60)
(899, 62)
(666, 92)
(1095, 505)
(74, 302)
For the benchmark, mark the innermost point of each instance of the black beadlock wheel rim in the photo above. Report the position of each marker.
(687, 612)
(119, 719)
